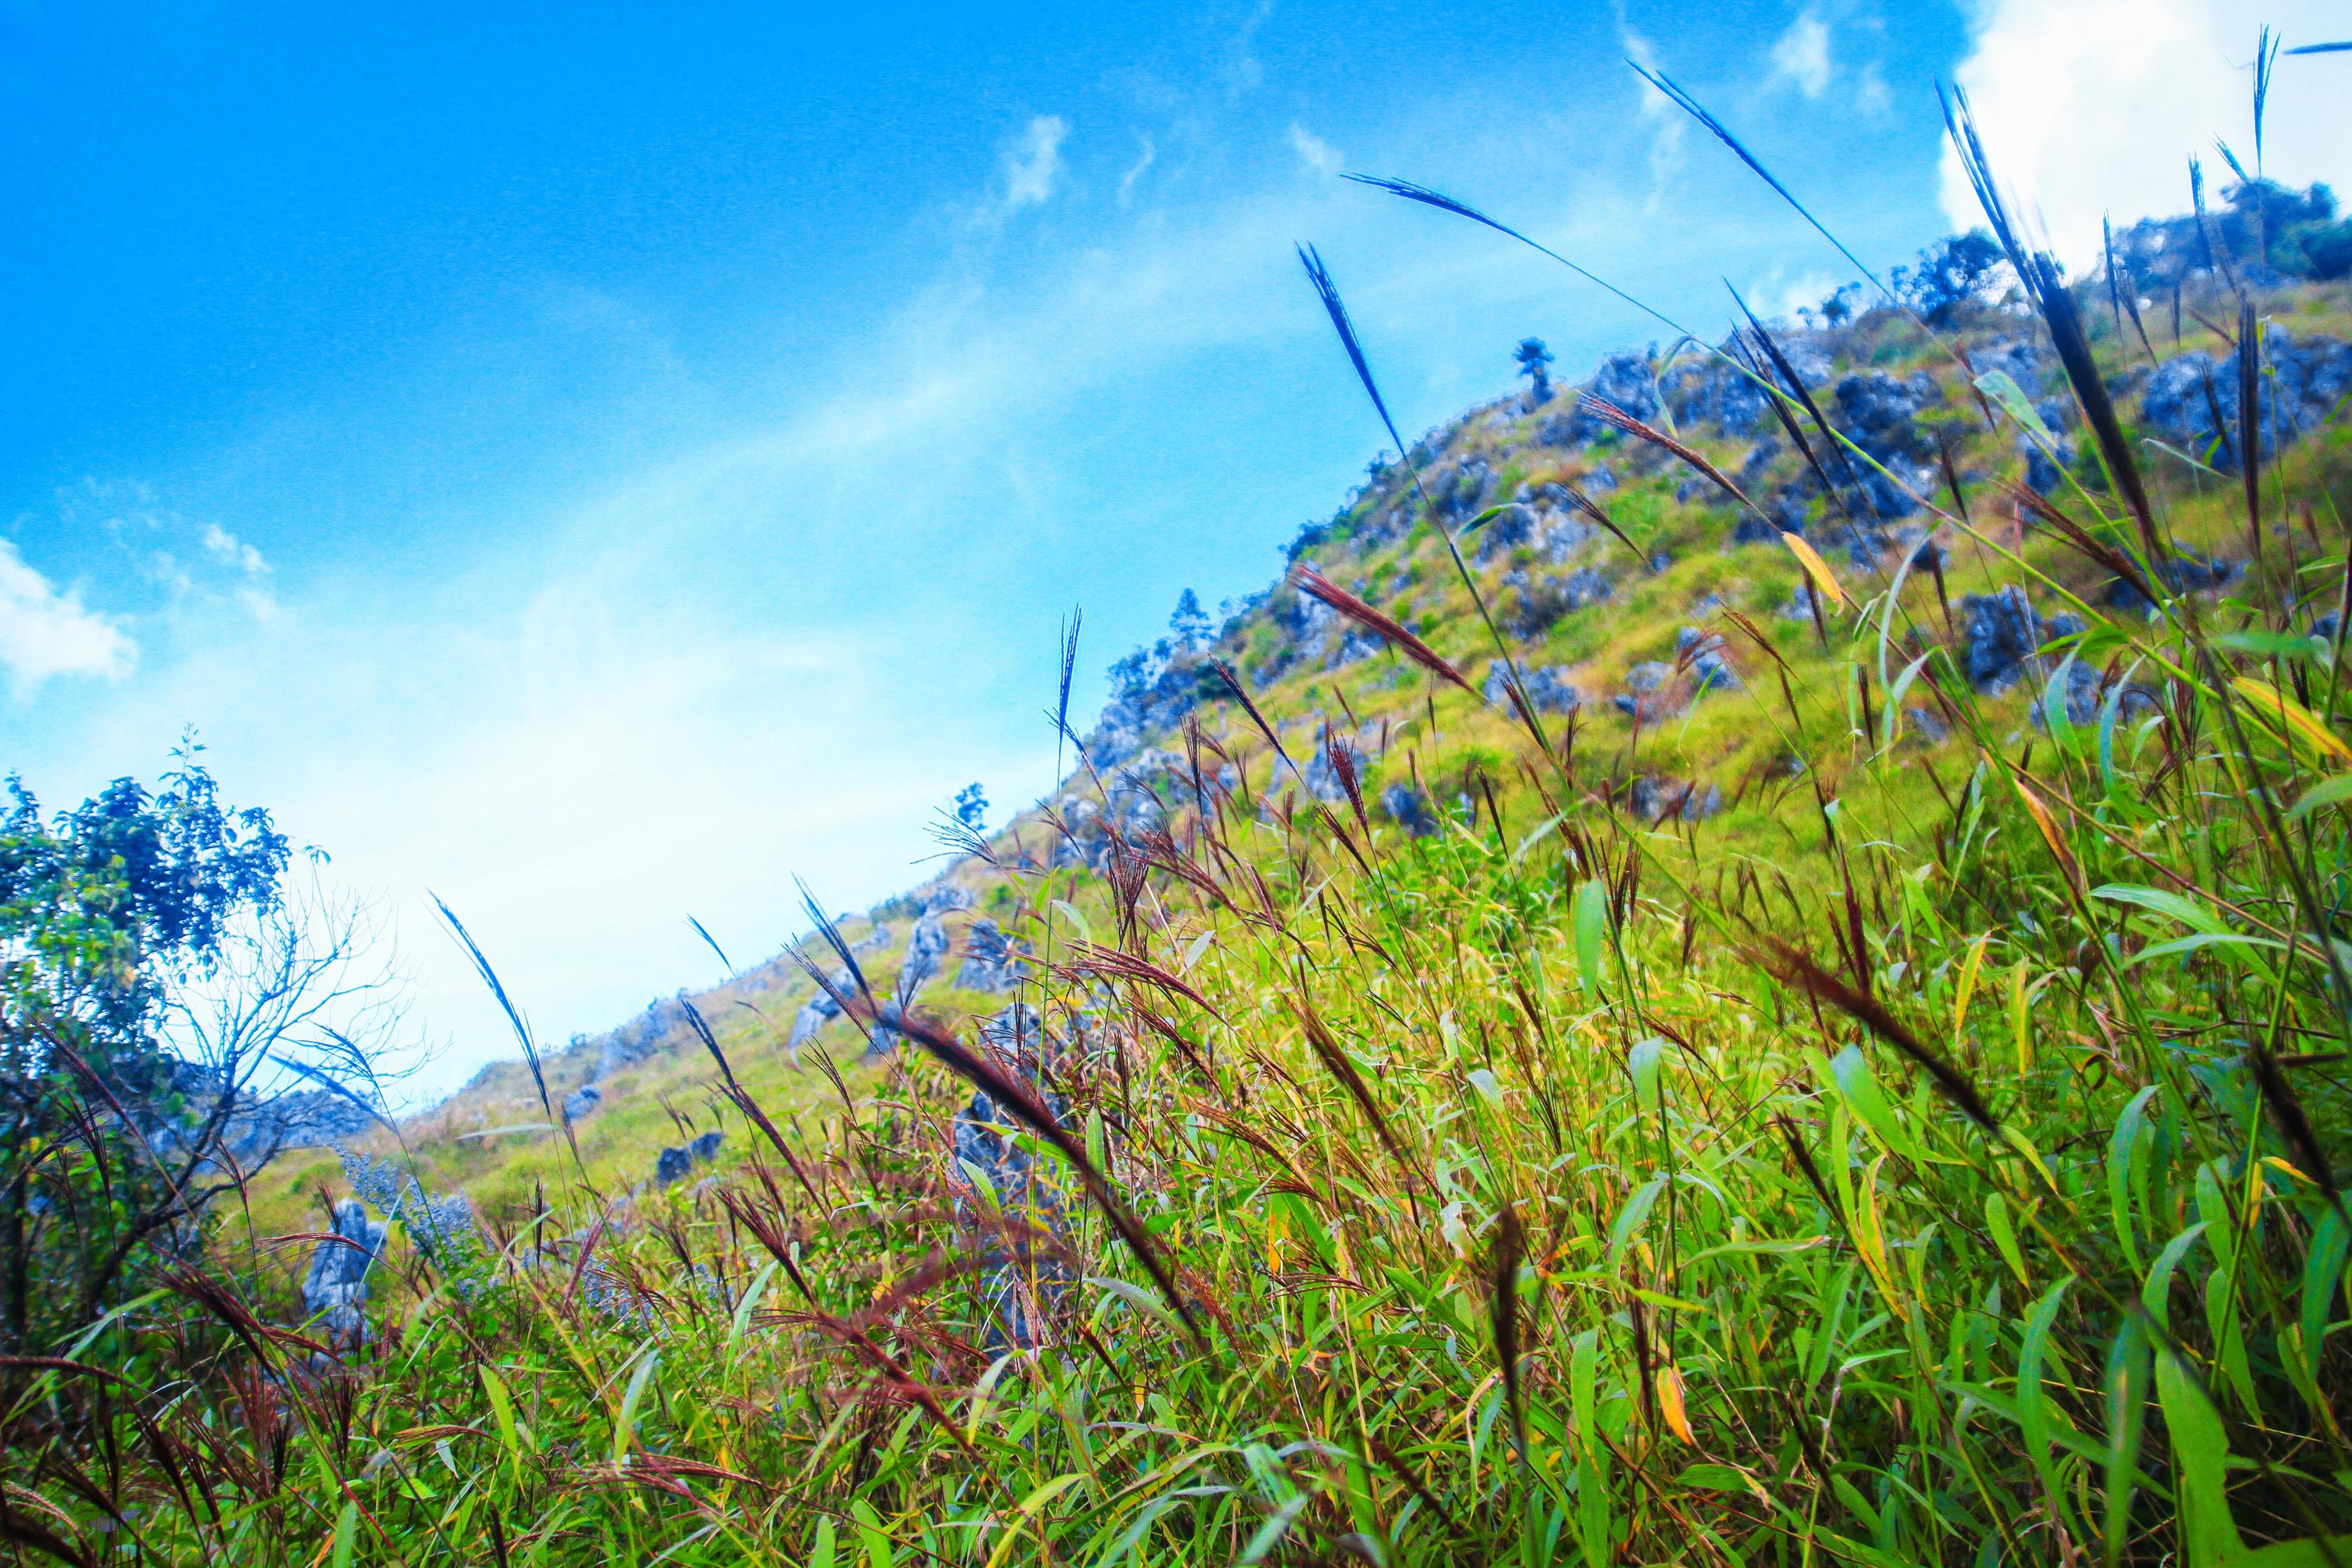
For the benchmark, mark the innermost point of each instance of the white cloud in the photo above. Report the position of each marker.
(1312, 150)
(1801, 56)
(2096, 106)
(1032, 164)
(1779, 297)
(45, 633)
(225, 546)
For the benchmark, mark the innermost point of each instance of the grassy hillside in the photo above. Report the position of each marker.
(1872, 1095)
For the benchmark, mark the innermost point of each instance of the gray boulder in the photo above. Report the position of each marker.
(2183, 573)
(991, 963)
(673, 1165)
(1716, 392)
(927, 951)
(1544, 685)
(1655, 799)
(1015, 1224)
(1702, 653)
(2026, 364)
(1541, 600)
(2002, 631)
(820, 1010)
(1625, 378)
(2302, 383)
(336, 1288)
(1648, 675)
(1517, 524)
(1881, 413)
(1409, 809)
(582, 1102)
(1322, 779)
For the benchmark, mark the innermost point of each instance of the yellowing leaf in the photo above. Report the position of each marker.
(1670, 1404)
(2276, 705)
(2051, 836)
(1816, 569)
(1968, 982)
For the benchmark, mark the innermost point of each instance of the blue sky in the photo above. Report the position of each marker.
(596, 461)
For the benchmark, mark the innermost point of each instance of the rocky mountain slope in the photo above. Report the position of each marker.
(1638, 598)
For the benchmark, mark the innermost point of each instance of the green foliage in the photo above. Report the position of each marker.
(100, 908)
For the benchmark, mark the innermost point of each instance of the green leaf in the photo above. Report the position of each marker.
(1629, 1218)
(503, 1408)
(626, 1423)
(2305, 1554)
(2187, 912)
(1277, 1525)
(2323, 1272)
(2124, 1150)
(2011, 400)
(1592, 922)
(1641, 1061)
(1148, 1302)
(2127, 1395)
(2032, 1406)
(2201, 1452)
(2326, 792)
(347, 1534)
(2004, 1237)
(1713, 1477)
(2273, 645)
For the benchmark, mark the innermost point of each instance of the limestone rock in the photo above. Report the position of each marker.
(991, 963)
(336, 1287)
(1653, 799)
(1409, 809)
(2002, 631)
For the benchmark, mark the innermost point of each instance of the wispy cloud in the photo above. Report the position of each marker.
(1313, 151)
(1146, 155)
(1032, 164)
(1801, 54)
(1871, 94)
(1247, 70)
(45, 633)
(225, 546)
(1668, 124)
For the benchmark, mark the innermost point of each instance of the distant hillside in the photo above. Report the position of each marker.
(1630, 587)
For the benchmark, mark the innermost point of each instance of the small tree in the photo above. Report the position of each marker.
(1534, 361)
(971, 806)
(158, 977)
(1131, 674)
(1189, 627)
(1954, 273)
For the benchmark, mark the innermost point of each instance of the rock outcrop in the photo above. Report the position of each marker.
(1546, 687)
(673, 1165)
(991, 961)
(335, 1290)
(2190, 401)
(1015, 1223)
(1409, 809)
